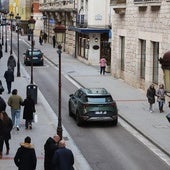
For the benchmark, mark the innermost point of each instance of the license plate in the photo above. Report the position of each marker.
(101, 112)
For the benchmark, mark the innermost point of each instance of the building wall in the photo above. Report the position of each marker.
(150, 24)
(98, 14)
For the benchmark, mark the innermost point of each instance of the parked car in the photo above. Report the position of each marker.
(37, 59)
(92, 104)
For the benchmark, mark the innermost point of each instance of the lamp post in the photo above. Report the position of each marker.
(11, 15)
(18, 18)
(165, 64)
(32, 88)
(31, 25)
(45, 19)
(6, 48)
(2, 23)
(60, 35)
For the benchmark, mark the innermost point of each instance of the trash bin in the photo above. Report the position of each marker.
(168, 117)
(32, 90)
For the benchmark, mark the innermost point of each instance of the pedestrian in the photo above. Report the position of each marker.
(54, 41)
(103, 63)
(11, 62)
(1, 135)
(15, 102)
(9, 77)
(151, 93)
(25, 157)
(2, 104)
(29, 109)
(40, 40)
(1, 53)
(50, 147)
(7, 126)
(161, 97)
(45, 37)
(63, 158)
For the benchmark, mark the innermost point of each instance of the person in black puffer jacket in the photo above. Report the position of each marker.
(25, 158)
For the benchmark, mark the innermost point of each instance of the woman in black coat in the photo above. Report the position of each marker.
(7, 126)
(25, 158)
(1, 134)
(151, 93)
(29, 109)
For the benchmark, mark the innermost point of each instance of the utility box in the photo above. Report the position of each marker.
(32, 91)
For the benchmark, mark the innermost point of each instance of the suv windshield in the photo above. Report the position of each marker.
(99, 99)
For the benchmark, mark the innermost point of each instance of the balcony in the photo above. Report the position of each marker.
(58, 6)
(142, 4)
(117, 2)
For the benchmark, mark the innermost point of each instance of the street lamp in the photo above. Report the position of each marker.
(11, 15)
(60, 36)
(31, 25)
(18, 18)
(165, 64)
(2, 23)
(32, 88)
(4, 19)
(45, 19)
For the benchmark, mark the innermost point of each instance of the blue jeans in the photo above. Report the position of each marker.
(161, 104)
(15, 114)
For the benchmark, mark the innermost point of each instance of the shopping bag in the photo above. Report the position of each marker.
(35, 118)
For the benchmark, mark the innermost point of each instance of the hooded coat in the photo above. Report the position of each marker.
(25, 158)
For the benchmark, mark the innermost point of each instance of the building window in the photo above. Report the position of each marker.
(122, 52)
(155, 61)
(142, 58)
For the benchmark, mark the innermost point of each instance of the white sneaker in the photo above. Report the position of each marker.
(151, 111)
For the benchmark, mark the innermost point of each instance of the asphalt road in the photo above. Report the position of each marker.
(105, 147)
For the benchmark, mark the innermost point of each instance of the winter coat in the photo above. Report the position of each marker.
(160, 94)
(29, 108)
(11, 63)
(50, 147)
(151, 92)
(1, 128)
(103, 62)
(2, 104)
(63, 159)
(1, 54)
(25, 158)
(7, 129)
(15, 101)
(9, 75)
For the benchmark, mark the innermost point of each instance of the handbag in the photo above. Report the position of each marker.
(1, 88)
(35, 118)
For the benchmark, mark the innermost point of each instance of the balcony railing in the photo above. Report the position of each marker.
(147, 1)
(59, 5)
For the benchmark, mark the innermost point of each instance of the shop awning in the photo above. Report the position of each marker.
(88, 30)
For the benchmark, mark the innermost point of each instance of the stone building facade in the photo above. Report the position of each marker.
(140, 36)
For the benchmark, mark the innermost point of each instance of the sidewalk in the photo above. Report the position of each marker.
(132, 103)
(46, 126)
